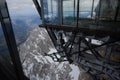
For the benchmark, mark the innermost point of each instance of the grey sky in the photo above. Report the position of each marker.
(21, 7)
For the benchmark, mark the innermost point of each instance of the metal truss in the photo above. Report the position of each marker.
(92, 57)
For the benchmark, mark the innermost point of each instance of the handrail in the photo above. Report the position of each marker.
(85, 30)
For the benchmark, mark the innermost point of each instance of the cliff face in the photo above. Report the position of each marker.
(39, 67)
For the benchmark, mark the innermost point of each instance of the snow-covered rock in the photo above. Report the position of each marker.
(39, 67)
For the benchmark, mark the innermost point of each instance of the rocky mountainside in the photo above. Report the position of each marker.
(39, 67)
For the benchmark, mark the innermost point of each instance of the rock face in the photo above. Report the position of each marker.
(39, 67)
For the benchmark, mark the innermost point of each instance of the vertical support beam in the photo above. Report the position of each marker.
(52, 11)
(92, 9)
(42, 12)
(78, 2)
(117, 10)
(99, 11)
(60, 12)
(10, 39)
(74, 9)
(38, 7)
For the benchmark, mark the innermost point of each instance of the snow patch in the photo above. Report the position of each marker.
(41, 37)
(75, 72)
(39, 58)
(30, 67)
(49, 59)
(52, 50)
(36, 46)
(60, 66)
(97, 42)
